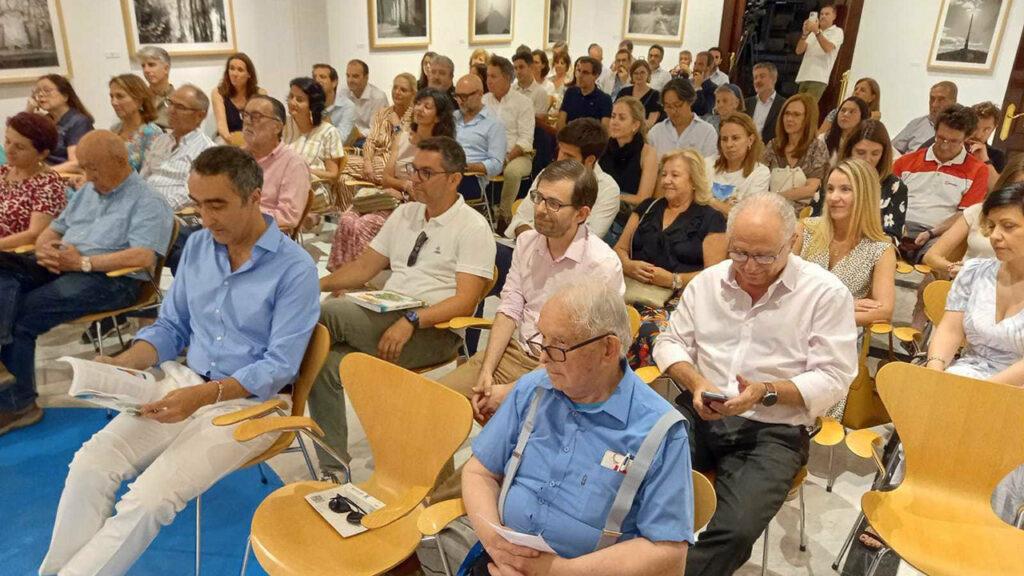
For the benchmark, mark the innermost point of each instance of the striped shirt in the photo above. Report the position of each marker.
(168, 163)
(322, 143)
(935, 190)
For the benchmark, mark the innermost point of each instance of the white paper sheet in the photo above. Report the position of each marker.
(525, 540)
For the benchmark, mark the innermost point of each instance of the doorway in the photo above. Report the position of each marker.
(1009, 135)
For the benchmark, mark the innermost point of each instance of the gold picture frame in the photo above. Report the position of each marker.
(38, 57)
(646, 21)
(156, 30)
(565, 17)
(986, 20)
(395, 15)
(496, 18)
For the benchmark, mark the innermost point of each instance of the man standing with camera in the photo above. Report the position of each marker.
(819, 44)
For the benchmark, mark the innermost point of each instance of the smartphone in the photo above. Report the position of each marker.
(713, 397)
(813, 17)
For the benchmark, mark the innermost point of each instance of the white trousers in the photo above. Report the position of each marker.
(171, 464)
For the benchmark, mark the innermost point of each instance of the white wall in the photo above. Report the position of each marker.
(892, 47)
(592, 21)
(267, 30)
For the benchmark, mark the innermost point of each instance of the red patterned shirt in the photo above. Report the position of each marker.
(43, 192)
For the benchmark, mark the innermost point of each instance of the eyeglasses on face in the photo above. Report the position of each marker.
(762, 259)
(551, 204)
(181, 107)
(255, 117)
(556, 353)
(423, 174)
(415, 254)
(466, 96)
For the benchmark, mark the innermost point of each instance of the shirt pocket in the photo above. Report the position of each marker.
(598, 493)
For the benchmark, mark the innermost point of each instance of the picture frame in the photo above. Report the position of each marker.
(491, 21)
(557, 16)
(34, 42)
(399, 23)
(207, 32)
(654, 21)
(967, 35)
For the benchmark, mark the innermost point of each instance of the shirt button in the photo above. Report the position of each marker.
(565, 449)
(218, 338)
(552, 483)
(225, 282)
(213, 364)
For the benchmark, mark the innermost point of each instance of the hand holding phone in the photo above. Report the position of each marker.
(813, 17)
(710, 398)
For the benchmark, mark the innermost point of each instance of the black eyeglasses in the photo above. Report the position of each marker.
(466, 95)
(423, 174)
(420, 241)
(550, 203)
(255, 117)
(555, 353)
(342, 505)
(763, 259)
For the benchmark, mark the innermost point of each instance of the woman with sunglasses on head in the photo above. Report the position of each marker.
(55, 96)
(667, 241)
(433, 115)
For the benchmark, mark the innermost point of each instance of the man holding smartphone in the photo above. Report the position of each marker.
(763, 343)
(819, 44)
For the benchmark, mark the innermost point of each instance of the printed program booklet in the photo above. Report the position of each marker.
(320, 501)
(113, 387)
(384, 300)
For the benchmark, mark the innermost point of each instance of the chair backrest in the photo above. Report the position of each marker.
(305, 212)
(960, 436)
(634, 321)
(935, 300)
(150, 290)
(704, 500)
(312, 361)
(413, 424)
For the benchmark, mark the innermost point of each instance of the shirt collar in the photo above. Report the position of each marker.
(770, 98)
(483, 113)
(119, 189)
(271, 238)
(618, 404)
(787, 278)
(960, 158)
(448, 214)
(577, 248)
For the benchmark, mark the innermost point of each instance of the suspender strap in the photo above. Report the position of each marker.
(513, 463)
(635, 474)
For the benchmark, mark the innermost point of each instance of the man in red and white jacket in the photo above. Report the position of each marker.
(941, 180)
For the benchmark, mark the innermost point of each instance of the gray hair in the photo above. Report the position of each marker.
(595, 309)
(444, 62)
(759, 200)
(767, 66)
(199, 98)
(153, 53)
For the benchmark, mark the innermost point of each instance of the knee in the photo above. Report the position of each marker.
(97, 465)
(159, 499)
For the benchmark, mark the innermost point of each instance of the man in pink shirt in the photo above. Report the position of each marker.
(560, 247)
(285, 174)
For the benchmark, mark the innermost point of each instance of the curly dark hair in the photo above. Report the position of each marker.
(315, 93)
(958, 117)
(445, 108)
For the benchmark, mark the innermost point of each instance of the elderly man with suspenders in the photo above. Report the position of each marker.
(582, 453)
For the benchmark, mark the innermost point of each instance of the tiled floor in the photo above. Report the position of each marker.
(829, 516)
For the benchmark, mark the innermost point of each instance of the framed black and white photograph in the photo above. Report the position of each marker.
(557, 14)
(491, 21)
(654, 21)
(182, 27)
(32, 40)
(967, 35)
(399, 23)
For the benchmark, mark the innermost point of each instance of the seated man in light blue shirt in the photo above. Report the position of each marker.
(340, 110)
(115, 221)
(594, 425)
(479, 131)
(244, 303)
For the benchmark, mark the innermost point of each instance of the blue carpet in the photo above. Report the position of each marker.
(34, 463)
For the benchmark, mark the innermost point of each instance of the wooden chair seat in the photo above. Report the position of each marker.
(290, 538)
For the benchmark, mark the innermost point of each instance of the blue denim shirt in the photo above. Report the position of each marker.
(129, 216)
(252, 324)
(483, 140)
(562, 491)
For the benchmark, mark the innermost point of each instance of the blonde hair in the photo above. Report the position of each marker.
(478, 52)
(636, 110)
(866, 216)
(698, 175)
(756, 149)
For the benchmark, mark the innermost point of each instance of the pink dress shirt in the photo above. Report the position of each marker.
(534, 276)
(801, 330)
(285, 186)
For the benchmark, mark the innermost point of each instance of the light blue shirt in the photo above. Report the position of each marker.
(483, 139)
(699, 134)
(252, 324)
(343, 115)
(562, 491)
(130, 216)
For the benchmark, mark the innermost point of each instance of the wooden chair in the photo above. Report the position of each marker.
(481, 201)
(462, 323)
(296, 233)
(316, 353)
(414, 426)
(960, 437)
(436, 517)
(934, 298)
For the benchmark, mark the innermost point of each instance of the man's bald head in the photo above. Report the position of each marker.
(469, 93)
(103, 157)
(469, 82)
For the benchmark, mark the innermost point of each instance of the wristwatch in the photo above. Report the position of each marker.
(413, 318)
(770, 395)
(676, 283)
(86, 264)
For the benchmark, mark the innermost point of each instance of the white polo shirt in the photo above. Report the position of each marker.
(459, 240)
(516, 113)
(537, 94)
(817, 64)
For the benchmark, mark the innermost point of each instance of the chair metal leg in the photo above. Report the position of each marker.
(444, 557)
(764, 553)
(877, 560)
(117, 328)
(831, 474)
(849, 541)
(803, 521)
(245, 557)
(263, 476)
(199, 520)
(305, 456)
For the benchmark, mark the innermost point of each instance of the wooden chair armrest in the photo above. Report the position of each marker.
(125, 271)
(249, 413)
(398, 508)
(255, 428)
(359, 184)
(474, 173)
(904, 267)
(830, 433)
(648, 374)
(436, 517)
(923, 268)
(24, 249)
(460, 322)
(188, 211)
(906, 333)
(863, 443)
(880, 328)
